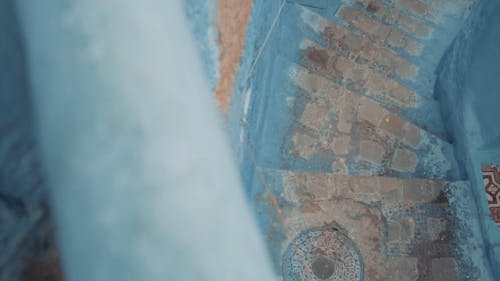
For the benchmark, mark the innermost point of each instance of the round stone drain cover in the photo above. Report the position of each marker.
(322, 254)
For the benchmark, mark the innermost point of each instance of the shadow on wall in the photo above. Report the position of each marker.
(25, 225)
(468, 90)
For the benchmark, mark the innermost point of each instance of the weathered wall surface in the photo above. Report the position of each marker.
(469, 94)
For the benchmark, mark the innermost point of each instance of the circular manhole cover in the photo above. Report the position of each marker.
(322, 254)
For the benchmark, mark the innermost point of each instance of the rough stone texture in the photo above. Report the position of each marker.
(407, 229)
(314, 116)
(372, 152)
(403, 269)
(360, 78)
(396, 247)
(304, 145)
(391, 16)
(352, 126)
(378, 31)
(401, 229)
(417, 7)
(339, 166)
(411, 135)
(366, 189)
(412, 25)
(393, 125)
(393, 231)
(405, 161)
(444, 269)
(363, 50)
(340, 145)
(369, 111)
(435, 227)
(422, 191)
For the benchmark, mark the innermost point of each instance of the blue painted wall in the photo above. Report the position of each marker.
(22, 191)
(467, 88)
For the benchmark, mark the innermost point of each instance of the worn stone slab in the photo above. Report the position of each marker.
(422, 190)
(357, 77)
(371, 152)
(304, 186)
(370, 111)
(378, 31)
(421, 101)
(444, 269)
(435, 227)
(304, 145)
(393, 231)
(403, 269)
(417, 7)
(403, 232)
(404, 161)
(371, 52)
(315, 116)
(339, 166)
(391, 16)
(341, 145)
(374, 140)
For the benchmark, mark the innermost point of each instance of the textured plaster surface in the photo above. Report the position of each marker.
(233, 18)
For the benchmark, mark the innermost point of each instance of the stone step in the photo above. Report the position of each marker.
(379, 32)
(411, 71)
(401, 227)
(362, 137)
(301, 187)
(433, 11)
(361, 49)
(390, 16)
(420, 108)
(383, 47)
(416, 7)
(338, 66)
(388, 93)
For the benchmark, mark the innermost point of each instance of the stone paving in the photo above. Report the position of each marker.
(364, 138)
(359, 64)
(380, 214)
(354, 158)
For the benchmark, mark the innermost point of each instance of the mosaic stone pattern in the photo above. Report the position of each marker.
(364, 137)
(322, 254)
(491, 179)
(363, 147)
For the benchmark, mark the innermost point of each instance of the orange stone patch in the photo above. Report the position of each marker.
(233, 20)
